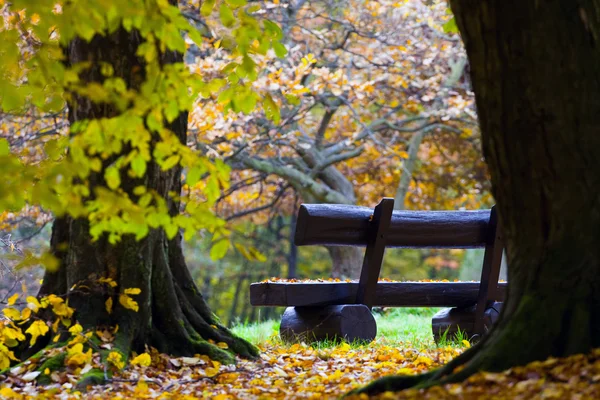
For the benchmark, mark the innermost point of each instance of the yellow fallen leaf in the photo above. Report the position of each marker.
(143, 359)
(132, 291)
(109, 305)
(222, 345)
(8, 393)
(116, 359)
(128, 302)
(466, 343)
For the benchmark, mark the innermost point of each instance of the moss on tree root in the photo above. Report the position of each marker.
(91, 378)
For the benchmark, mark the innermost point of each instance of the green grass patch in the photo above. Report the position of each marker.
(395, 326)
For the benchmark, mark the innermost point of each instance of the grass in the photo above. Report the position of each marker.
(395, 326)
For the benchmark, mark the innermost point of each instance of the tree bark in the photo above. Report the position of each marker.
(534, 68)
(173, 316)
(346, 261)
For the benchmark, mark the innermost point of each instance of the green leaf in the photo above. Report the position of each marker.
(12, 99)
(207, 7)
(193, 176)
(292, 99)
(246, 103)
(226, 14)
(219, 249)
(271, 109)
(280, 50)
(112, 177)
(272, 29)
(138, 165)
(170, 162)
(450, 26)
(171, 111)
(4, 147)
(236, 3)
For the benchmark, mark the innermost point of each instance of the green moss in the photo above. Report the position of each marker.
(53, 364)
(91, 378)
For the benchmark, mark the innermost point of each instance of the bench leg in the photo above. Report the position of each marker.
(447, 322)
(351, 322)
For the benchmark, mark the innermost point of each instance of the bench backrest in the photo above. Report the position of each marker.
(346, 225)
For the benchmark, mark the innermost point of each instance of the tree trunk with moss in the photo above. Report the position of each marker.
(173, 316)
(534, 68)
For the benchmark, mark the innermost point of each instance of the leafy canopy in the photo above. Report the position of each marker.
(34, 80)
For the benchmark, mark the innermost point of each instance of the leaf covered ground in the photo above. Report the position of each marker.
(296, 371)
(326, 370)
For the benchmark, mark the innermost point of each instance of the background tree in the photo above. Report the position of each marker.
(372, 102)
(534, 74)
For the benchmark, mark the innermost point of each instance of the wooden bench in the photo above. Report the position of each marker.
(321, 310)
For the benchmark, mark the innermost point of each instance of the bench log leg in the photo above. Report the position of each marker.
(350, 322)
(453, 319)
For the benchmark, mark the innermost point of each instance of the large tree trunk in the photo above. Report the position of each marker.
(173, 316)
(534, 68)
(346, 261)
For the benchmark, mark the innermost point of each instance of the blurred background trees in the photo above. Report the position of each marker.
(368, 99)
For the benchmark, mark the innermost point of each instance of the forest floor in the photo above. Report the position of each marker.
(327, 370)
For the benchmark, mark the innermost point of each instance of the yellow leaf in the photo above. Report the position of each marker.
(33, 303)
(38, 328)
(6, 392)
(128, 302)
(76, 357)
(11, 335)
(13, 299)
(110, 282)
(116, 359)
(210, 372)
(133, 291)
(466, 343)
(25, 314)
(141, 387)
(75, 329)
(143, 359)
(109, 304)
(47, 371)
(12, 313)
(222, 345)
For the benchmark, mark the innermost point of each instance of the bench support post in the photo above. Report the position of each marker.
(371, 268)
(476, 320)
